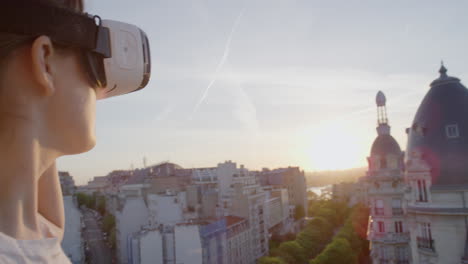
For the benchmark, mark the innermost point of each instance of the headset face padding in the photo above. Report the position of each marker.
(94, 69)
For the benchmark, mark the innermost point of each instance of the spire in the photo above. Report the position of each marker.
(442, 70)
(443, 78)
(382, 120)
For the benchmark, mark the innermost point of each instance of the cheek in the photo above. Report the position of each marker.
(77, 110)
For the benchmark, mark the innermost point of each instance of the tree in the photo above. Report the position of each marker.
(270, 260)
(339, 251)
(299, 212)
(112, 238)
(292, 252)
(108, 223)
(312, 196)
(101, 204)
(328, 214)
(321, 224)
(86, 200)
(311, 241)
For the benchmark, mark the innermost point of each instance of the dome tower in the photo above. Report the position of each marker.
(385, 152)
(437, 174)
(388, 233)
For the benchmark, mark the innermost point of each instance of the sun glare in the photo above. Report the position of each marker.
(336, 146)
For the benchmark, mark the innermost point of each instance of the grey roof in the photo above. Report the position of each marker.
(446, 103)
(385, 144)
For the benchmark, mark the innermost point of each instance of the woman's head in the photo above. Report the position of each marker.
(43, 88)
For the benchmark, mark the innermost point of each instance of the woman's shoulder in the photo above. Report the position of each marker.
(46, 250)
(49, 229)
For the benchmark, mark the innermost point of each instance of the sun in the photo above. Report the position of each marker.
(336, 146)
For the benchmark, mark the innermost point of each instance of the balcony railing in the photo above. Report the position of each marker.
(389, 237)
(397, 211)
(402, 261)
(426, 243)
(379, 211)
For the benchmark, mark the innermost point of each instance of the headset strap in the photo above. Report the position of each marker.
(64, 26)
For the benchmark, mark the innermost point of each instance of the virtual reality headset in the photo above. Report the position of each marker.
(116, 55)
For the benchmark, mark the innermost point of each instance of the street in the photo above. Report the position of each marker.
(99, 252)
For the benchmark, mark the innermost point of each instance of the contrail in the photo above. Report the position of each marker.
(222, 61)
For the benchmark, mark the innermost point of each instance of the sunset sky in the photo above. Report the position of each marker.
(271, 83)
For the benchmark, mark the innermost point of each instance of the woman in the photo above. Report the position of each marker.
(47, 110)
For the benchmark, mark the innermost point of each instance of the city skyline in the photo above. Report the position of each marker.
(272, 84)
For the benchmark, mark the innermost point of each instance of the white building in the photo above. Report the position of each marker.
(437, 174)
(98, 184)
(66, 183)
(72, 242)
(249, 201)
(436, 182)
(238, 248)
(179, 244)
(131, 217)
(292, 179)
(166, 209)
(388, 231)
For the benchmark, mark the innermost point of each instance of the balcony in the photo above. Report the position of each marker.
(379, 211)
(426, 244)
(397, 211)
(395, 238)
(401, 261)
(384, 261)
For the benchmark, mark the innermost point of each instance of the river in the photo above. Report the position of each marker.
(318, 190)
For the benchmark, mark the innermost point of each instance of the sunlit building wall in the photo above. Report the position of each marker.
(237, 235)
(131, 216)
(292, 179)
(72, 242)
(388, 231)
(249, 201)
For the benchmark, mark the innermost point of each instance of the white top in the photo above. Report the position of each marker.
(41, 251)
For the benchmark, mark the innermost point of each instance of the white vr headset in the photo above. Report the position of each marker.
(116, 55)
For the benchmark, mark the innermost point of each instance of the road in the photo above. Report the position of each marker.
(99, 252)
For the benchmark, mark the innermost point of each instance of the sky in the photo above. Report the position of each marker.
(269, 83)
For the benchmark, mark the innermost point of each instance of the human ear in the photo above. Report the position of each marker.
(42, 63)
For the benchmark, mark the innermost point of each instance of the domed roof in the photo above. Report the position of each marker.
(380, 99)
(385, 144)
(440, 130)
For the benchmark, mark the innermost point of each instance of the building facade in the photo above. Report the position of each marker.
(388, 231)
(437, 174)
(433, 198)
(73, 243)
(67, 183)
(292, 179)
(249, 202)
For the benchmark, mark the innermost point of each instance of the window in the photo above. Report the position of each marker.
(381, 226)
(401, 255)
(383, 256)
(396, 207)
(392, 162)
(425, 240)
(383, 163)
(426, 230)
(398, 227)
(452, 131)
(379, 207)
(422, 191)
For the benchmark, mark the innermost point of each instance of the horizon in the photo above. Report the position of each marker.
(271, 84)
